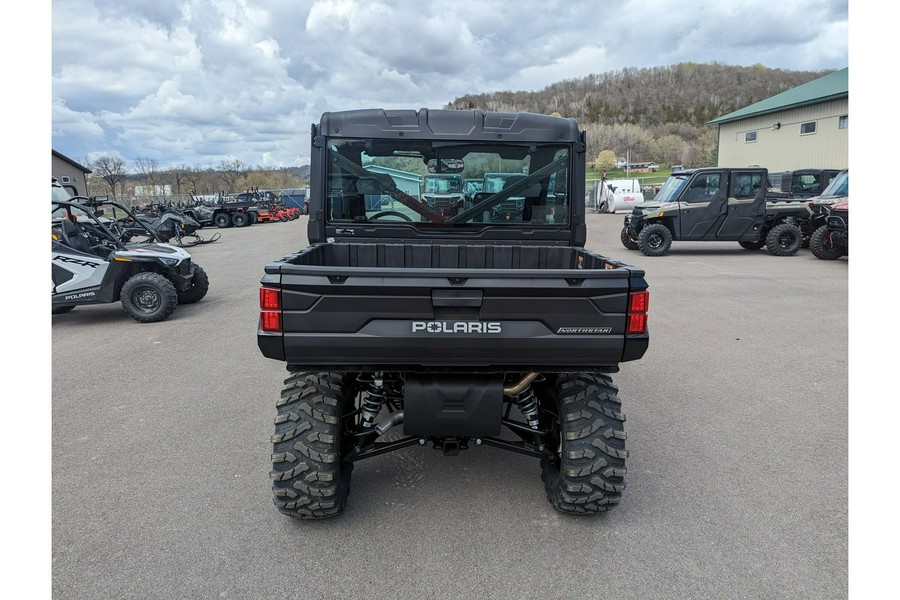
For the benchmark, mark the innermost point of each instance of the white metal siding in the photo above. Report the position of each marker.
(784, 149)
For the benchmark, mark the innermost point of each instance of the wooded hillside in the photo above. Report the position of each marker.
(659, 113)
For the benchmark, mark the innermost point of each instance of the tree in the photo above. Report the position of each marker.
(111, 169)
(667, 149)
(230, 172)
(146, 170)
(268, 179)
(606, 161)
(707, 157)
(194, 178)
(177, 177)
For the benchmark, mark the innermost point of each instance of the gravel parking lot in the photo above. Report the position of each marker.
(737, 476)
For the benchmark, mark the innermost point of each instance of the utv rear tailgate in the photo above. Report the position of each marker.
(547, 309)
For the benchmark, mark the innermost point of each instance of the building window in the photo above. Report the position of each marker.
(750, 136)
(65, 179)
(807, 128)
(842, 122)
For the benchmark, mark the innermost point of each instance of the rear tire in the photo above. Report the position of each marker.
(822, 246)
(784, 240)
(149, 297)
(310, 478)
(198, 289)
(588, 473)
(240, 220)
(655, 239)
(223, 220)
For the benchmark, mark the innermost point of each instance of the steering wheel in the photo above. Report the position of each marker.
(390, 213)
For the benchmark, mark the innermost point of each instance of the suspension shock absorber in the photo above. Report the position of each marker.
(528, 404)
(374, 399)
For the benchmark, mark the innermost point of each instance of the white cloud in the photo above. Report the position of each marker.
(210, 80)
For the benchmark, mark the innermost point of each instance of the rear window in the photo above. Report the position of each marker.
(420, 183)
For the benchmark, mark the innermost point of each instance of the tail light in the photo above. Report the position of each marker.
(270, 310)
(638, 303)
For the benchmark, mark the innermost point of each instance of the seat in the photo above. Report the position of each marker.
(742, 190)
(73, 238)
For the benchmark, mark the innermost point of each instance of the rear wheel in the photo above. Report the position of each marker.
(149, 297)
(240, 219)
(198, 289)
(223, 220)
(822, 245)
(310, 478)
(587, 472)
(784, 240)
(655, 240)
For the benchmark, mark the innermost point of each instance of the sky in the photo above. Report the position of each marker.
(201, 82)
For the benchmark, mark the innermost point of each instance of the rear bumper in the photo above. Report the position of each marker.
(522, 347)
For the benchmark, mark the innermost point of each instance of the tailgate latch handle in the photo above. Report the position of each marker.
(457, 298)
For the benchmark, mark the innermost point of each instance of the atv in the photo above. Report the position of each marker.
(92, 265)
(831, 240)
(818, 206)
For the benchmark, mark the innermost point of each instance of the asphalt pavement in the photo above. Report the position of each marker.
(737, 433)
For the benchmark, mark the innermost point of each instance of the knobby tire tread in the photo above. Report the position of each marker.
(309, 478)
(589, 476)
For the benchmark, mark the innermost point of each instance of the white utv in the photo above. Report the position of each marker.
(91, 264)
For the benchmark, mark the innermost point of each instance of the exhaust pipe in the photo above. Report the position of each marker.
(393, 419)
(512, 390)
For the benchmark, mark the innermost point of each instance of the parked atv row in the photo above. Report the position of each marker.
(723, 204)
(241, 211)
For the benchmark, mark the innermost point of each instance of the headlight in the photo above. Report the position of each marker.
(170, 262)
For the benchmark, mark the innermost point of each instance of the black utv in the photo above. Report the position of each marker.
(453, 330)
(715, 204)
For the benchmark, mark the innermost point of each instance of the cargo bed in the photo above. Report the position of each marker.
(477, 308)
(456, 256)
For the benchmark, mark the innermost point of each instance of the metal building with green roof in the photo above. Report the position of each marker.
(804, 127)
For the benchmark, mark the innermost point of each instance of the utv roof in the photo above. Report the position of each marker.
(469, 125)
(702, 169)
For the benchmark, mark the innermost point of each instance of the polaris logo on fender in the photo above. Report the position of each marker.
(455, 327)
